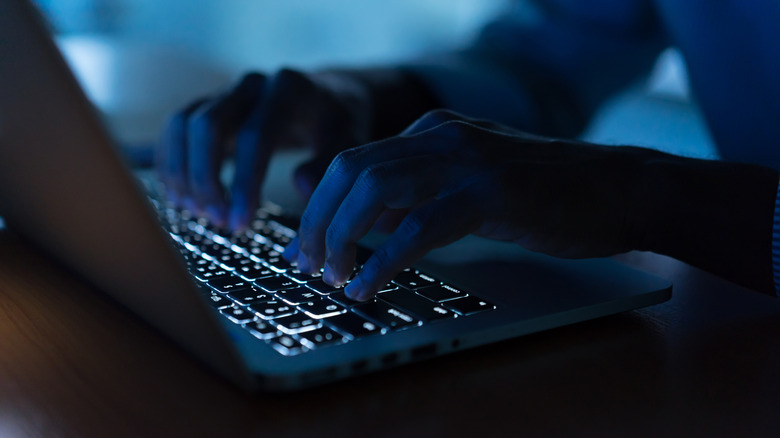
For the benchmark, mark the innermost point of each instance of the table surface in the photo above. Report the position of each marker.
(72, 363)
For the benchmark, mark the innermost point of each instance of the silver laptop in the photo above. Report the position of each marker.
(230, 300)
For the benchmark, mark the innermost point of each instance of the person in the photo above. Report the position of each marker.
(482, 140)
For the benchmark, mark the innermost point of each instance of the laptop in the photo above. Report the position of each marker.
(258, 323)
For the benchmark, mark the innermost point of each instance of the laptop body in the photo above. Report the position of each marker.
(63, 186)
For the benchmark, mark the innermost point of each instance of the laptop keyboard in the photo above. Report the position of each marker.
(247, 281)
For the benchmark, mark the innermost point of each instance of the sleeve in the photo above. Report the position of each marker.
(546, 65)
(776, 242)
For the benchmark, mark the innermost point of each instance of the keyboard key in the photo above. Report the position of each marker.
(232, 260)
(272, 309)
(218, 301)
(278, 264)
(341, 298)
(387, 288)
(386, 314)
(237, 314)
(276, 283)
(413, 279)
(212, 250)
(298, 295)
(321, 287)
(354, 325)
(251, 284)
(240, 242)
(191, 240)
(441, 292)
(424, 308)
(262, 329)
(245, 297)
(286, 345)
(275, 232)
(208, 272)
(318, 337)
(296, 323)
(252, 270)
(260, 253)
(322, 308)
(229, 283)
(468, 305)
(300, 277)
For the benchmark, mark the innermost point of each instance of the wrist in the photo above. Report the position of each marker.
(711, 214)
(395, 98)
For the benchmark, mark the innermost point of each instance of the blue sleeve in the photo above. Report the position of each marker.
(732, 50)
(545, 66)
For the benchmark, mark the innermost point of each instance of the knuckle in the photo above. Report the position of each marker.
(456, 127)
(413, 227)
(287, 80)
(346, 162)
(458, 137)
(371, 179)
(439, 116)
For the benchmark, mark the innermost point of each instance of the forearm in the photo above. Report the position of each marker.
(395, 98)
(711, 214)
(545, 66)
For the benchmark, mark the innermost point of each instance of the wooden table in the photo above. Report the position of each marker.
(706, 363)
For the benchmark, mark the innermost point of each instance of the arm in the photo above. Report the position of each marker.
(453, 176)
(732, 52)
(711, 214)
(546, 65)
(528, 75)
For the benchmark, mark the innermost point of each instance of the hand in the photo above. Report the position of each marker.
(327, 112)
(454, 176)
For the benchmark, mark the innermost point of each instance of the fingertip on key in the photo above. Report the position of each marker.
(291, 251)
(237, 221)
(354, 290)
(216, 215)
(303, 264)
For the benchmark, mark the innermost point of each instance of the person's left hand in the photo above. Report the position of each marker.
(451, 176)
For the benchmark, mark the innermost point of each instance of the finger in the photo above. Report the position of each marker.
(397, 184)
(433, 225)
(337, 182)
(171, 154)
(281, 118)
(437, 119)
(344, 170)
(291, 251)
(209, 130)
(251, 163)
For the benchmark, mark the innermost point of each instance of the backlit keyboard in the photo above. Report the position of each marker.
(248, 282)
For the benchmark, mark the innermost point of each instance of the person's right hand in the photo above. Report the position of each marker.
(327, 112)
